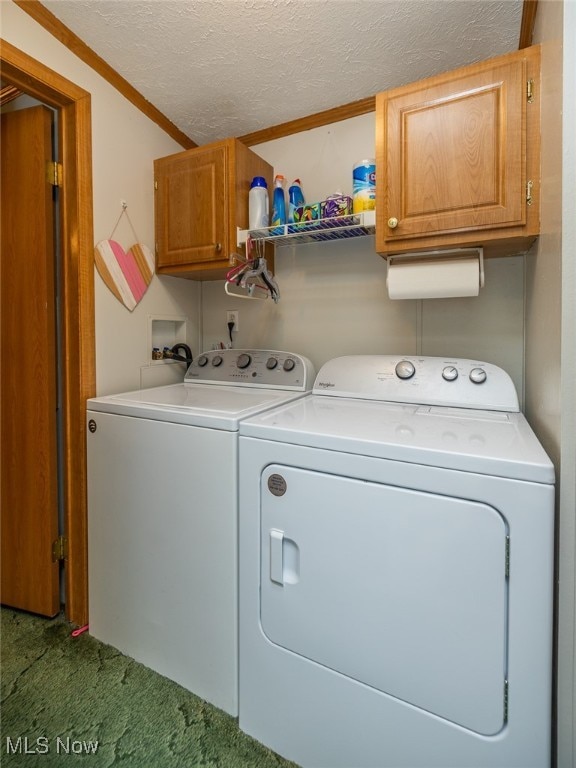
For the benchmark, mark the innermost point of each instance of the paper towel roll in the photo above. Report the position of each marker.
(433, 278)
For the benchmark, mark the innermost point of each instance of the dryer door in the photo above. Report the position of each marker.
(402, 590)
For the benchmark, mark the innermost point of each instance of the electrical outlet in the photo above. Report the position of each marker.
(232, 316)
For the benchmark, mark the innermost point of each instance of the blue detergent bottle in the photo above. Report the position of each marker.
(278, 206)
(295, 199)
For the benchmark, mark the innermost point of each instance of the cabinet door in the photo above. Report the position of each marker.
(452, 154)
(191, 205)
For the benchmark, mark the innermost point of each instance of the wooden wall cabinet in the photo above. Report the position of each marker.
(458, 159)
(201, 197)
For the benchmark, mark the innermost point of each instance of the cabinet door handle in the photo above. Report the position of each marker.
(392, 222)
(218, 247)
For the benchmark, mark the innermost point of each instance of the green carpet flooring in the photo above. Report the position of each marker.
(61, 695)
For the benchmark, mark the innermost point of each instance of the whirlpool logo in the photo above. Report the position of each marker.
(325, 384)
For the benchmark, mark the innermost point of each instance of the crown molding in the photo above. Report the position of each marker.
(529, 9)
(60, 31)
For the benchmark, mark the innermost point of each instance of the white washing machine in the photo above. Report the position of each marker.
(163, 514)
(396, 561)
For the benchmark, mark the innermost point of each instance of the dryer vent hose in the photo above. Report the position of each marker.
(173, 353)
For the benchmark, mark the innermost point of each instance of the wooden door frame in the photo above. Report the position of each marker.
(77, 358)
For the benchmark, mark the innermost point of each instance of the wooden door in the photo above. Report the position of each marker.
(29, 491)
(191, 204)
(454, 154)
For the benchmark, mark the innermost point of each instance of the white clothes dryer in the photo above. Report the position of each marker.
(396, 571)
(163, 514)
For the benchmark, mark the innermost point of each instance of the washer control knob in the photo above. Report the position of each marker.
(405, 369)
(244, 360)
(450, 373)
(271, 363)
(217, 360)
(202, 361)
(478, 375)
(289, 364)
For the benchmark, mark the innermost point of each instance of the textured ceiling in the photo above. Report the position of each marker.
(220, 68)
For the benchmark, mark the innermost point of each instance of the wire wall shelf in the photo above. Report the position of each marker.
(321, 230)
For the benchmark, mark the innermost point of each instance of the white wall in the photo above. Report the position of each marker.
(125, 143)
(551, 330)
(567, 508)
(544, 261)
(333, 295)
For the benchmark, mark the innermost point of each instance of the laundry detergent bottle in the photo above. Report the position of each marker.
(295, 199)
(258, 204)
(278, 205)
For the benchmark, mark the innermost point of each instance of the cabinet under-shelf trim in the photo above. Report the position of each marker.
(319, 231)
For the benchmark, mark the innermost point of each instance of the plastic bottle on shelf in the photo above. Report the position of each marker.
(364, 185)
(258, 204)
(295, 199)
(278, 205)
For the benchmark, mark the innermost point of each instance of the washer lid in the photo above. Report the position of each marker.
(212, 406)
(484, 442)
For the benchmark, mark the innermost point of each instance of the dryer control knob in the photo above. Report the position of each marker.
(450, 373)
(478, 375)
(405, 369)
(202, 361)
(271, 363)
(243, 361)
(217, 360)
(289, 364)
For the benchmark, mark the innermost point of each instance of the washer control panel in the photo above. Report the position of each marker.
(435, 381)
(252, 367)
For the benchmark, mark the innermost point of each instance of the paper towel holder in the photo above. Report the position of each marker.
(447, 253)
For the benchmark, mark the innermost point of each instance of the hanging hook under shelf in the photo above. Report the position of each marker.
(247, 291)
(250, 277)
